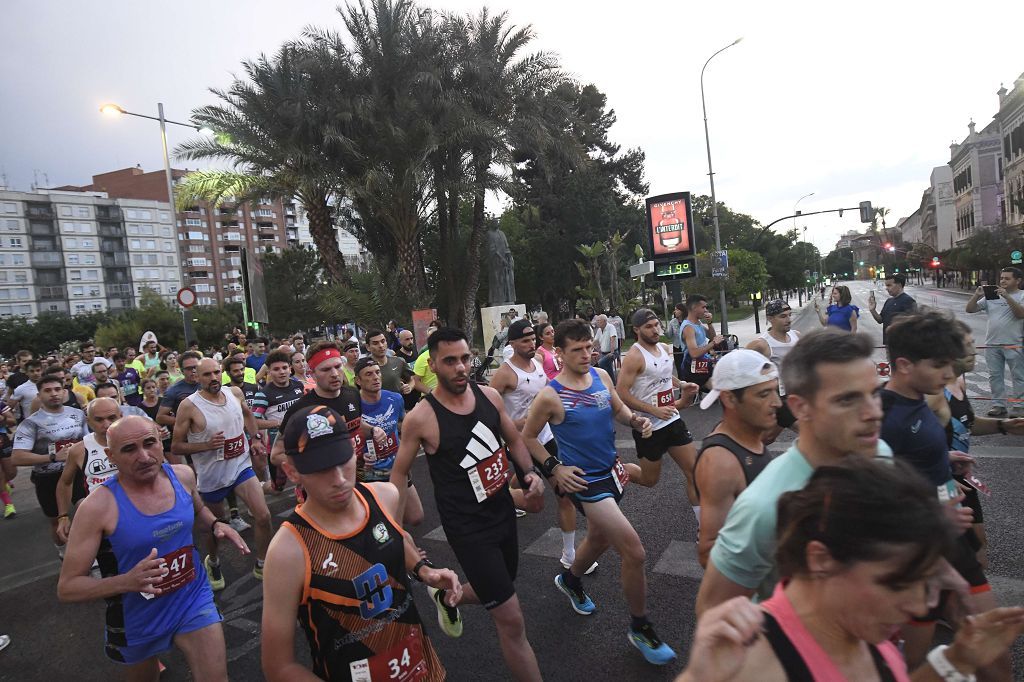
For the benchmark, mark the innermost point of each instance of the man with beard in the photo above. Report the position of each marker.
(468, 439)
(775, 344)
(211, 427)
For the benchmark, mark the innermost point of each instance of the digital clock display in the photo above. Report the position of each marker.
(675, 269)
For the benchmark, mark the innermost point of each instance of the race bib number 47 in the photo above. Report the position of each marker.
(401, 663)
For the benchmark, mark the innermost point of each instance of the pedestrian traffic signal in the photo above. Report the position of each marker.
(867, 214)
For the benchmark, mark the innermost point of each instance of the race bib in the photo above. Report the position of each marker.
(356, 434)
(976, 483)
(180, 569)
(490, 475)
(234, 447)
(620, 475)
(665, 398)
(403, 662)
(702, 366)
(949, 491)
(376, 454)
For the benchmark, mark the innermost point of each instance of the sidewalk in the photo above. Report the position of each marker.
(931, 288)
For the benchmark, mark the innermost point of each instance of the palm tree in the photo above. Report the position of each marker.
(277, 142)
(504, 94)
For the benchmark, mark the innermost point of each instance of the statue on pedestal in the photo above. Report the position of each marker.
(501, 278)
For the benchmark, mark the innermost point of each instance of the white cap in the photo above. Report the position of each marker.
(738, 369)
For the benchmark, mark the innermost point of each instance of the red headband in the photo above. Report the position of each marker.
(325, 354)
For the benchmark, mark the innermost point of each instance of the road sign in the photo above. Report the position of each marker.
(1016, 257)
(720, 263)
(186, 297)
(641, 269)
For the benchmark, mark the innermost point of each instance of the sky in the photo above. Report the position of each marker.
(852, 102)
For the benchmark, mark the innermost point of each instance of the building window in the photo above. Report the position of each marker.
(87, 244)
(17, 259)
(10, 208)
(15, 242)
(94, 291)
(193, 222)
(165, 217)
(12, 225)
(168, 246)
(170, 260)
(146, 230)
(165, 231)
(136, 243)
(97, 306)
(145, 215)
(79, 308)
(65, 211)
(83, 211)
(92, 275)
(89, 259)
(132, 213)
(133, 229)
(151, 244)
(70, 243)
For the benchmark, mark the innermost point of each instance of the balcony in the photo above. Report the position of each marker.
(116, 290)
(111, 231)
(113, 260)
(53, 293)
(45, 211)
(232, 249)
(108, 213)
(112, 245)
(40, 229)
(46, 259)
(265, 226)
(201, 274)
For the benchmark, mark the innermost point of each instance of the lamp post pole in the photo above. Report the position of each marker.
(795, 214)
(711, 177)
(186, 313)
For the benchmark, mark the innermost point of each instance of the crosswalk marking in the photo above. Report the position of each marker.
(680, 559)
(547, 545)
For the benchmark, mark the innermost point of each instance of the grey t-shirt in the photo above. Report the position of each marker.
(1004, 328)
(43, 429)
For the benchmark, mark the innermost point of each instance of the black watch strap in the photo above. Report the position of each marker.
(415, 572)
(550, 463)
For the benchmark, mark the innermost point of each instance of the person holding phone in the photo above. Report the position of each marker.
(1005, 312)
(899, 302)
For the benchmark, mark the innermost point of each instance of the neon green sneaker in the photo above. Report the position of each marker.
(9, 511)
(214, 575)
(448, 617)
(257, 572)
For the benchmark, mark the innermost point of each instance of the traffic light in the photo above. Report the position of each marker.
(936, 262)
(867, 214)
(861, 263)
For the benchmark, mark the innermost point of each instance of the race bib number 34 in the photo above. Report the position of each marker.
(401, 663)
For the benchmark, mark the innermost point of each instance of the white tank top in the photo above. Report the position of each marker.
(97, 467)
(518, 401)
(654, 384)
(780, 349)
(216, 469)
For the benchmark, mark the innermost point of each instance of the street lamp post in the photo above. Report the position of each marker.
(795, 214)
(114, 109)
(711, 177)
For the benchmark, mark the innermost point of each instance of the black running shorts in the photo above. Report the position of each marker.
(46, 491)
(964, 559)
(655, 447)
(595, 492)
(490, 561)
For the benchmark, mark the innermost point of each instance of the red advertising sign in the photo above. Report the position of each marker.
(670, 225)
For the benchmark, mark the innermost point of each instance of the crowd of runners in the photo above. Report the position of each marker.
(833, 560)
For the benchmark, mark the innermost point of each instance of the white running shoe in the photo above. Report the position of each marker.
(239, 524)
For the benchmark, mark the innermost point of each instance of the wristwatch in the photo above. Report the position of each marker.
(53, 456)
(415, 572)
(1001, 426)
(941, 665)
(549, 465)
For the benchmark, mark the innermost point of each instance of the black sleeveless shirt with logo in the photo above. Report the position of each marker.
(356, 608)
(470, 469)
(752, 463)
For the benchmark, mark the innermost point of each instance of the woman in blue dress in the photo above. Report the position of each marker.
(841, 313)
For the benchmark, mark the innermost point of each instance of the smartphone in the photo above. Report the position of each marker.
(990, 292)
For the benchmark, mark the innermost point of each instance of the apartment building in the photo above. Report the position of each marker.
(72, 252)
(977, 179)
(356, 256)
(1010, 119)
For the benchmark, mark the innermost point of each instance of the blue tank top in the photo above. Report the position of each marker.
(700, 337)
(586, 437)
(134, 618)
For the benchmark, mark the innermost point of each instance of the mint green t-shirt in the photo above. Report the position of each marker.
(744, 551)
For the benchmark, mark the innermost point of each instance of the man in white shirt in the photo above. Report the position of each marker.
(606, 340)
(82, 370)
(1003, 338)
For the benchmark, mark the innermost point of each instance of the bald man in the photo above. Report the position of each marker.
(89, 456)
(140, 524)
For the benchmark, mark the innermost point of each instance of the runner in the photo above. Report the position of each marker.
(646, 386)
(211, 427)
(300, 371)
(23, 395)
(150, 359)
(82, 370)
(394, 372)
(326, 362)
(88, 457)
(469, 440)
(385, 410)
(140, 524)
(775, 344)
(8, 472)
(581, 406)
(269, 405)
(129, 380)
(518, 381)
(693, 339)
(354, 601)
(42, 441)
(833, 391)
(732, 456)
(922, 348)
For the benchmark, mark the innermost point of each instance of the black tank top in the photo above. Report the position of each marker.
(961, 410)
(793, 663)
(356, 608)
(752, 463)
(470, 469)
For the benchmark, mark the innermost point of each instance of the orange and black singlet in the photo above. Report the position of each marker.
(357, 609)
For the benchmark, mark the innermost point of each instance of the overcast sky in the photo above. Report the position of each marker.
(849, 101)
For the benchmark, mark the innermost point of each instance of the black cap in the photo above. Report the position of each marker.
(519, 329)
(773, 308)
(364, 362)
(643, 316)
(316, 438)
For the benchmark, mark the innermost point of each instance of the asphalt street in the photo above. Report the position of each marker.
(53, 641)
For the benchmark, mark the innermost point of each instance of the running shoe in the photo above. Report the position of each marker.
(448, 617)
(566, 564)
(213, 573)
(520, 513)
(257, 572)
(580, 602)
(651, 646)
(4, 641)
(9, 511)
(997, 412)
(239, 524)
